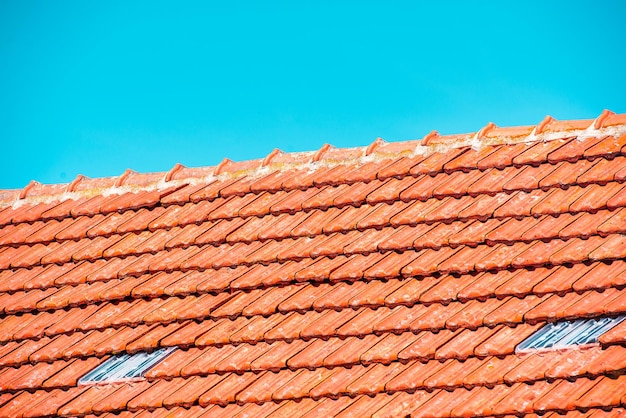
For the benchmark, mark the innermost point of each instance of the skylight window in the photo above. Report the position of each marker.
(125, 367)
(565, 334)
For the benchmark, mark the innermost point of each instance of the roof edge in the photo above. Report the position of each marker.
(549, 129)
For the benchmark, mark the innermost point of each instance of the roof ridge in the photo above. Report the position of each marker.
(549, 129)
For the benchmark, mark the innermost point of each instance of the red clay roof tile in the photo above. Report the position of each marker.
(316, 276)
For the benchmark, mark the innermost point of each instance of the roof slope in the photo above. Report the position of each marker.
(391, 279)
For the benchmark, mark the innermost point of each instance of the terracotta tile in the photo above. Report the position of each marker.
(373, 381)
(292, 408)
(240, 359)
(612, 304)
(49, 403)
(357, 193)
(257, 328)
(367, 172)
(29, 376)
(474, 232)
(35, 232)
(605, 361)
(510, 230)
(205, 363)
(490, 373)
(424, 348)
(484, 207)
(514, 311)
(561, 395)
(380, 215)
(451, 374)
(579, 250)
(565, 174)
(329, 407)
(293, 202)
(538, 253)
(220, 333)
(481, 401)
(449, 209)
(615, 223)
(520, 204)
(312, 356)
(595, 197)
(479, 287)
(334, 245)
(427, 261)
(444, 402)
(614, 335)
(118, 399)
(422, 188)
(172, 365)
(83, 404)
(349, 353)
(304, 298)
(560, 280)
(375, 293)
(548, 227)
(455, 184)
(417, 212)
(130, 339)
(557, 201)
(197, 213)
(346, 218)
(400, 318)
(285, 225)
(404, 403)
(445, 290)
(573, 150)
(413, 376)
(268, 302)
(327, 324)
(520, 398)
(463, 344)
(13, 353)
(31, 213)
(469, 160)
(439, 235)
(529, 178)
(504, 341)
(339, 296)
(573, 363)
(227, 389)
(473, 312)
(538, 152)
(607, 147)
(355, 266)
(400, 167)
(27, 301)
(35, 328)
(602, 275)
(603, 393)
(364, 405)
(402, 237)
(492, 181)
(612, 248)
(369, 241)
(73, 371)
(260, 391)
(602, 172)
(72, 321)
(390, 190)
(434, 162)
(410, 291)
(278, 355)
(336, 383)
(618, 200)
(522, 282)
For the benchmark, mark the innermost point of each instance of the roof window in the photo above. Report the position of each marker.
(125, 367)
(565, 334)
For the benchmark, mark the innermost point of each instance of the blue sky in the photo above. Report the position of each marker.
(94, 88)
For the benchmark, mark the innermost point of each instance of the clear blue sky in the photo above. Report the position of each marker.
(97, 87)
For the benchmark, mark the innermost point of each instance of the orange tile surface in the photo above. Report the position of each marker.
(390, 280)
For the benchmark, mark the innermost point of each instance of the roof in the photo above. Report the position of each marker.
(386, 280)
